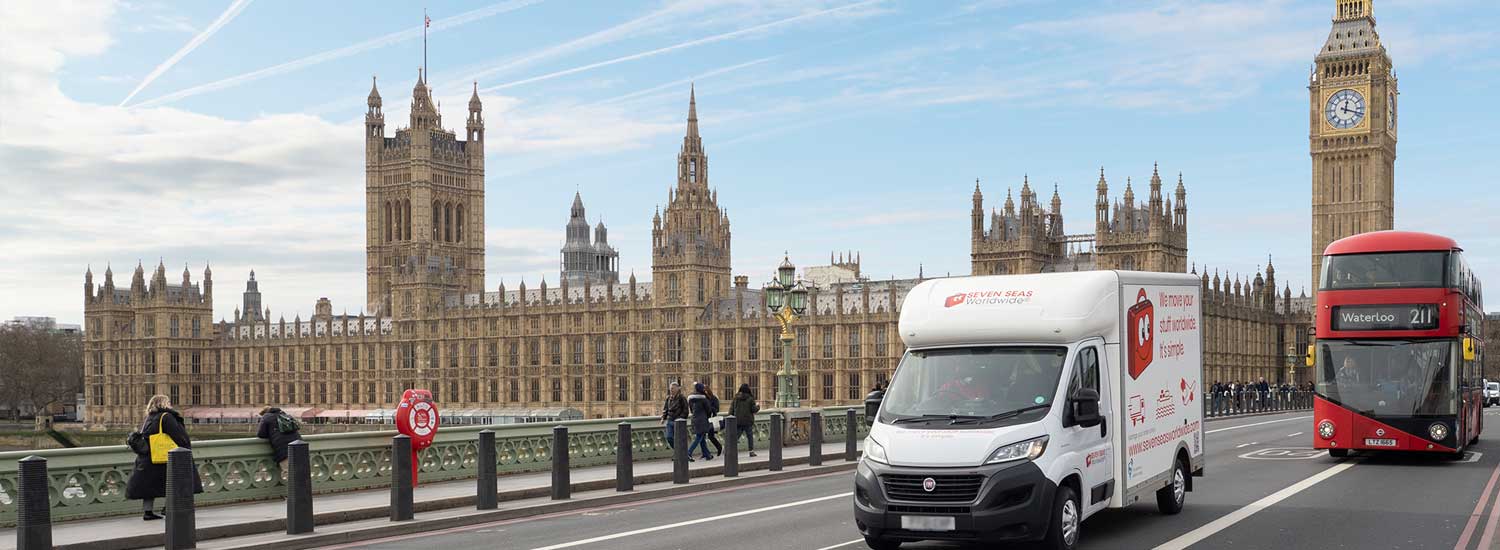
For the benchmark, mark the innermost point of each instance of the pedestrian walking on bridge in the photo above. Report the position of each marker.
(674, 408)
(698, 404)
(744, 408)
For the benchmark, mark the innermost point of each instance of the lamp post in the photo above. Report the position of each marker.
(787, 300)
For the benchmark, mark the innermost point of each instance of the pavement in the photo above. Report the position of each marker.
(1265, 488)
(251, 519)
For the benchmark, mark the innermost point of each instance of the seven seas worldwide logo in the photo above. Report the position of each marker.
(988, 298)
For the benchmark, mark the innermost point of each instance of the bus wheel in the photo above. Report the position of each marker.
(1338, 453)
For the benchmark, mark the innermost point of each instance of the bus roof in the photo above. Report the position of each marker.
(1390, 241)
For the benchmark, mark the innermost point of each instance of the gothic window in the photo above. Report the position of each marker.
(672, 285)
(854, 341)
(458, 223)
(624, 394)
(556, 389)
(705, 343)
(172, 327)
(1127, 263)
(827, 342)
(700, 287)
(385, 221)
(693, 170)
(448, 222)
(622, 349)
(645, 388)
(729, 345)
(752, 345)
(437, 221)
(854, 386)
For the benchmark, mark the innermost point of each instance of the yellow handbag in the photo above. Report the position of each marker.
(161, 443)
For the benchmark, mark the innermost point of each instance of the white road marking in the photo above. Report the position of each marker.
(1295, 434)
(1243, 445)
(1201, 533)
(855, 541)
(691, 522)
(1257, 424)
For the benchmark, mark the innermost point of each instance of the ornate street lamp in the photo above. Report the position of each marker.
(787, 300)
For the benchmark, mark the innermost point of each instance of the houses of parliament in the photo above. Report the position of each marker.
(601, 347)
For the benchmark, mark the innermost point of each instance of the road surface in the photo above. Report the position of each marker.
(1264, 489)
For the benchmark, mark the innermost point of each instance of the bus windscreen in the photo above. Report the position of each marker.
(1384, 270)
(1388, 377)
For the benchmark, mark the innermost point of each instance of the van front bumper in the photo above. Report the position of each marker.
(1014, 502)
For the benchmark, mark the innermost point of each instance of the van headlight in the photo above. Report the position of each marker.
(1025, 450)
(874, 451)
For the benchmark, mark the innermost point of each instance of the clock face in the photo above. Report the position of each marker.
(1390, 111)
(1345, 109)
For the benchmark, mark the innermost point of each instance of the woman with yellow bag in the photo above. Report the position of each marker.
(162, 432)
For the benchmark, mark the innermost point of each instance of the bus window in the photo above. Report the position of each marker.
(1385, 270)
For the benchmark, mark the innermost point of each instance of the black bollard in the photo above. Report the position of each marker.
(34, 512)
(181, 529)
(731, 452)
(561, 486)
(401, 495)
(299, 503)
(851, 437)
(815, 439)
(679, 451)
(489, 498)
(624, 459)
(775, 437)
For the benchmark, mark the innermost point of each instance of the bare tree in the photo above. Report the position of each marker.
(39, 368)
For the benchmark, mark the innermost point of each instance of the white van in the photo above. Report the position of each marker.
(1026, 403)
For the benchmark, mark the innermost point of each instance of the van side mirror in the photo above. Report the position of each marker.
(1085, 405)
(872, 406)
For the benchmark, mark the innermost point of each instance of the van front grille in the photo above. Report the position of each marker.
(946, 488)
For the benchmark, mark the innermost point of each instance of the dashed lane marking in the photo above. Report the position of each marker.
(1243, 445)
(1257, 424)
(1295, 434)
(1215, 526)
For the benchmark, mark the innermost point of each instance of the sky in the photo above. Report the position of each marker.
(228, 133)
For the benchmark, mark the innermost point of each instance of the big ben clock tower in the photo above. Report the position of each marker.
(1352, 91)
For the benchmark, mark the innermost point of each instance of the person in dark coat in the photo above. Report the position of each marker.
(713, 411)
(270, 430)
(674, 408)
(698, 404)
(148, 481)
(744, 408)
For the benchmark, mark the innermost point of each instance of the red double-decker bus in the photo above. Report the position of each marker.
(1398, 345)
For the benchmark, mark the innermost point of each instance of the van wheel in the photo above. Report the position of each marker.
(1171, 498)
(1338, 453)
(1062, 534)
(878, 543)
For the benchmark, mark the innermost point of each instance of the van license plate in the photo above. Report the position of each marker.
(928, 523)
(1380, 442)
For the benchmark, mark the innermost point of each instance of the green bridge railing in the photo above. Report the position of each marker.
(90, 481)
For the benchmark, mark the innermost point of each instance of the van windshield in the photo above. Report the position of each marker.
(972, 383)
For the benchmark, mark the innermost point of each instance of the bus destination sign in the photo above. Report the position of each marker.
(1385, 317)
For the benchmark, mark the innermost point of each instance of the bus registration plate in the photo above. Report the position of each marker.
(928, 523)
(1380, 442)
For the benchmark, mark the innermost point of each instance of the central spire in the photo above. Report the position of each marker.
(692, 129)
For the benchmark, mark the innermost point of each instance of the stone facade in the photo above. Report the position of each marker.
(1352, 137)
(604, 348)
(1149, 236)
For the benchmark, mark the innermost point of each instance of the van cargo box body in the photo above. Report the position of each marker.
(988, 425)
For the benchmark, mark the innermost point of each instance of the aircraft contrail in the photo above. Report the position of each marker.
(674, 47)
(229, 14)
(346, 51)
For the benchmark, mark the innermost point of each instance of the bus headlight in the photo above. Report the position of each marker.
(1325, 429)
(1438, 432)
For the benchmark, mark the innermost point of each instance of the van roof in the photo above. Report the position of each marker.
(1048, 308)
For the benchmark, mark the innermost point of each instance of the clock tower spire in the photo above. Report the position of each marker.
(1352, 115)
